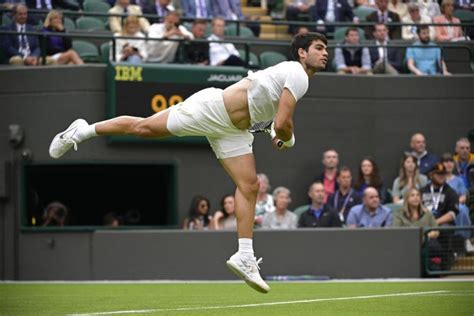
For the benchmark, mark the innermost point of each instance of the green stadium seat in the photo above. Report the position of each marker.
(464, 15)
(231, 30)
(97, 7)
(340, 33)
(105, 52)
(362, 12)
(87, 51)
(6, 20)
(268, 59)
(69, 24)
(300, 210)
(254, 62)
(90, 24)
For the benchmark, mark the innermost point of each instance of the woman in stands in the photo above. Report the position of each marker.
(369, 176)
(59, 48)
(447, 33)
(265, 203)
(198, 218)
(409, 177)
(131, 51)
(225, 219)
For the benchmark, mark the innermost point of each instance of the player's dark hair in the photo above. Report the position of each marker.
(304, 41)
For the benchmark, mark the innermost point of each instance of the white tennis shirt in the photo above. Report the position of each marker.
(267, 86)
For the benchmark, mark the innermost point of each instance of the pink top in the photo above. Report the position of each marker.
(446, 33)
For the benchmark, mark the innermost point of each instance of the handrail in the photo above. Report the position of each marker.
(246, 42)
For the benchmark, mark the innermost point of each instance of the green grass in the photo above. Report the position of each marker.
(163, 299)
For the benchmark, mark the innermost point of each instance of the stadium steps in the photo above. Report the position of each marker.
(463, 263)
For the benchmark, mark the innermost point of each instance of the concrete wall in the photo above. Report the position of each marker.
(358, 116)
(151, 255)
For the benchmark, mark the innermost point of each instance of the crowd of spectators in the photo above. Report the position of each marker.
(430, 191)
(162, 21)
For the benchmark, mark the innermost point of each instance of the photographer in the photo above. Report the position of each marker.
(165, 51)
(131, 51)
(55, 214)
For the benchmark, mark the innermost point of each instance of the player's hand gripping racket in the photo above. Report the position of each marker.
(266, 127)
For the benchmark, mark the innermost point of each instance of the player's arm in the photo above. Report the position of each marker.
(284, 116)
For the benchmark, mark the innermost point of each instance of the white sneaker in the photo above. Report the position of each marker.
(469, 246)
(247, 269)
(63, 141)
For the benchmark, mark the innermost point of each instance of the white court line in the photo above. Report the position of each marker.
(181, 309)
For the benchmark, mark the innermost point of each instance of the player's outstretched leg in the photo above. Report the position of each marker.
(243, 263)
(80, 130)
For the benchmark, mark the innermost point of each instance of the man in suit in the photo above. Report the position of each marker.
(124, 7)
(329, 11)
(160, 8)
(197, 9)
(21, 49)
(52, 4)
(385, 60)
(383, 15)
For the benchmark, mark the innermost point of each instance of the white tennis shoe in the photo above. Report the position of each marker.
(67, 139)
(247, 268)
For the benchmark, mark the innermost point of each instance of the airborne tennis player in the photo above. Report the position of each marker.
(224, 118)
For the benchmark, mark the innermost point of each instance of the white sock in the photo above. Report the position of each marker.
(86, 132)
(246, 246)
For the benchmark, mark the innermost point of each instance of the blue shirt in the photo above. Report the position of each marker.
(427, 60)
(361, 217)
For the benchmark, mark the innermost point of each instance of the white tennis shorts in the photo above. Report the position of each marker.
(204, 114)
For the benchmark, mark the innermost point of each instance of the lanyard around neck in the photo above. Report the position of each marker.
(436, 199)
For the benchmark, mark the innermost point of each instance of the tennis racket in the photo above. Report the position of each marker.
(265, 127)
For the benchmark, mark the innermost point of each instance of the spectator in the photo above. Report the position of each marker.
(21, 49)
(111, 219)
(52, 4)
(371, 213)
(131, 51)
(265, 202)
(464, 5)
(330, 11)
(384, 16)
(330, 162)
(425, 160)
(55, 214)
(225, 219)
(457, 184)
(398, 7)
(464, 159)
(282, 218)
(440, 198)
(232, 10)
(124, 7)
(447, 33)
(385, 60)
(296, 10)
(222, 54)
(369, 176)
(429, 8)
(409, 32)
(302, 30)
(364, 3)
(201, 9)
(319, 214)
(345, 197)
(198, 52)
(159, 8)
(198, 218)
(409, 177)
(59, 48)
(165, 51)
(414, 214)
(352, 60)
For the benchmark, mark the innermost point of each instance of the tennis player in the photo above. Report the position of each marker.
(224, 117)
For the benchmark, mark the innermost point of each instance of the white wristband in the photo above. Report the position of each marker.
(291, 142)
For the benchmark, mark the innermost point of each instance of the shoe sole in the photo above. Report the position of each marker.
(59, 136)
(232, 267)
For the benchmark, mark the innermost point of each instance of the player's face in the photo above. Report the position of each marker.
(317, 56)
